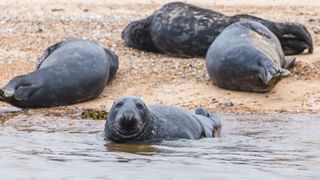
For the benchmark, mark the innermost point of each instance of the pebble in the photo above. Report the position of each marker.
(228, 103)
(317, 29)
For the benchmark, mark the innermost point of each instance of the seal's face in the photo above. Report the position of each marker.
(133, 33)
(127, 119)
(137, 35)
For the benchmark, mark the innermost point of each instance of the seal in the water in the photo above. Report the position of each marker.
(246, 56)
(69, 72)
(131, 120)
(184, 30)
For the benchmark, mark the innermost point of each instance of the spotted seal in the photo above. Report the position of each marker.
(131, 120)
(69, 72)
(247, 56)
(184, 30)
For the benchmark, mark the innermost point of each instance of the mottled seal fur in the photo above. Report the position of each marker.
(69, 72)
(247, 56)
(180, 29)
(131, 120)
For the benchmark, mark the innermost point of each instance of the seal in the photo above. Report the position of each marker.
(131, 120)
(69, 72)
(247, 56)
(184, 30)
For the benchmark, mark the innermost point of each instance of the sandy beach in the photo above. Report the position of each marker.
(29, 27)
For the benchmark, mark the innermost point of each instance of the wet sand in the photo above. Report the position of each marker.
(28, 27)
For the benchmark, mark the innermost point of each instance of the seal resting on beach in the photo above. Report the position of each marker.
(246, 56)
(69, 72)
(183, 30)
(131, 120)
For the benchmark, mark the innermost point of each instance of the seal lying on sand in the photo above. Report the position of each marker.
(70, 71)
(246, 56)
(130, 120)
(184, 30)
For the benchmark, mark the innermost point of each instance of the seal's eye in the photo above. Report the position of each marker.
(119, 104)
(139, 106)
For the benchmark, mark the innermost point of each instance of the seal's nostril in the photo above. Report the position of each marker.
(128, 122)
(129, 116)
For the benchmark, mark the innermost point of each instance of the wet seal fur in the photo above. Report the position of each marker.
(69, 72)
(131, 120)
(183, 30)
(247, 56)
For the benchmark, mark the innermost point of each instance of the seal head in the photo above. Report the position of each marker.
(129, 120)
(136, 35)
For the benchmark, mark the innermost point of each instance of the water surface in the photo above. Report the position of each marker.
(251, 147)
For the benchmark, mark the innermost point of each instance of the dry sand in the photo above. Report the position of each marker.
(28, 27)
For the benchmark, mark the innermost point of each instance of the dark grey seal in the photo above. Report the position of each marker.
(131, 120)
(184, 30)
(246, 56)
(69, 72)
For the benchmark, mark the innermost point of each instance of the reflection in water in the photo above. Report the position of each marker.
(137, 148)
(251, 147)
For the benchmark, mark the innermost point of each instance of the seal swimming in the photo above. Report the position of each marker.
(247, 56)
(69, 72)
(131, 120)
(184, 30)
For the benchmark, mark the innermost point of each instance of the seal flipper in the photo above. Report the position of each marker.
(296, 37)
(18, 88)
(46, 53)
(24, 92)
(10, 89)
(203, 112)
(258, 28)
(212, 128)
(114, 60)
(268, 73)
(288, 62)
(285, 72)
(302, 37)
(269, 26)
(293, 45)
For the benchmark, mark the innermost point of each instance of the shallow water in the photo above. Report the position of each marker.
(251, 147)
